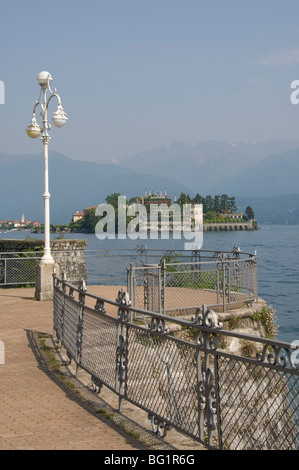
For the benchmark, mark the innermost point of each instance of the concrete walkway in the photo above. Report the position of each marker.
(37, 411)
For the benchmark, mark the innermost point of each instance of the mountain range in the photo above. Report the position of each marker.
(220, 167)
(74, 185)
(261, 174)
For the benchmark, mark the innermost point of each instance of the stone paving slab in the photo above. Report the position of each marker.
(36, 410)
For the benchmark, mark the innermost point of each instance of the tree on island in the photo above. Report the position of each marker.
(112, 199)
(198, 199)
(249, 213)
(184, 199)
(221, 204)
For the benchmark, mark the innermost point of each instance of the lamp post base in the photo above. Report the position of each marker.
(44, 281)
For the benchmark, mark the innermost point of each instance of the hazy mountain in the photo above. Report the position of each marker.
(74, 185)
(275, 175)
(250, 171)
(206, 165)
(273, 210)
(3, 155)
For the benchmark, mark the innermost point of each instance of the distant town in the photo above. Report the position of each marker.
(22, 224)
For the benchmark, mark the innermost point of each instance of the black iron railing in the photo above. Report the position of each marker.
(181, 372)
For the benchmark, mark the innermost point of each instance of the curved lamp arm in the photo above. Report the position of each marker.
(59, 117)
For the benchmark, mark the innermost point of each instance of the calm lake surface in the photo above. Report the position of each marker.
(278, 263)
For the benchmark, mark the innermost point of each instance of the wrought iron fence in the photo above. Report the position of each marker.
(107, 267)
(181, 372)
(179, 284)
(230, 276)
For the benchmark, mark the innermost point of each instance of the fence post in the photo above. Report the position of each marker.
(255, 276)
(82, 290)
(223, 284)
(196, 259)
(129, 285)
(218, 287)
(124, 318)
(199, 375)
(206, 362)
(229, 282)
(4, 270)
(146, 290)
(63, 289)
(163, 284)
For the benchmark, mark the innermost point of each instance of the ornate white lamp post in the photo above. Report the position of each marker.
(34, 130)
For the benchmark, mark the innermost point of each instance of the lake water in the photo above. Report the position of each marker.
(278, 263)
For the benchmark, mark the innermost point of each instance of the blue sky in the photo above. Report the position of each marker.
(137, 75)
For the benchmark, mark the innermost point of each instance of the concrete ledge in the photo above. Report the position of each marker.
(242, 312)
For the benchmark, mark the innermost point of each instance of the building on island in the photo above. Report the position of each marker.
(233, 215)
(78, 216)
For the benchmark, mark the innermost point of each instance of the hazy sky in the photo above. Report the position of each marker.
(137, 75)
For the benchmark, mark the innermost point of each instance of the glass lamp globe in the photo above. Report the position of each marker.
(44, 79)
(33, 130)
(59, 118)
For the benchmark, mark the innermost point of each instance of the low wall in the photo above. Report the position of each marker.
(14, 246)
(68, 254)
(73, 263)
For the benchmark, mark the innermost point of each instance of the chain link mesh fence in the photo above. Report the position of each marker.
(259, 406)
(181, 373)
(18, 268)
(178, 288)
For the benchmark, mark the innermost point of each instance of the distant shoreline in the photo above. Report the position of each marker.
(208, 227)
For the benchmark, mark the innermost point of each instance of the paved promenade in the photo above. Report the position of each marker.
(37, 411)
